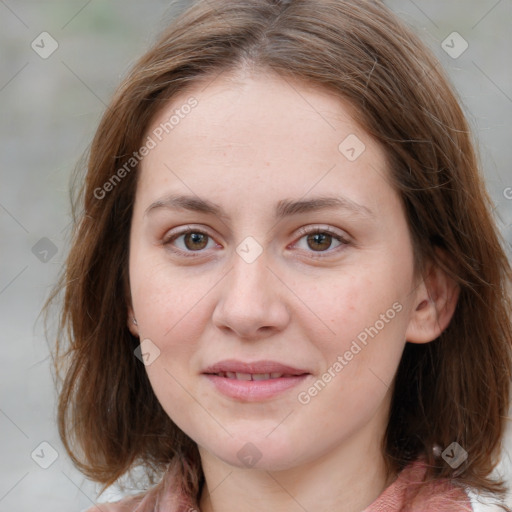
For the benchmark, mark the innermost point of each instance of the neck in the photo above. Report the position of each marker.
(348, 479)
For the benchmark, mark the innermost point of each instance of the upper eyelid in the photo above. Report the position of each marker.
(304, 230)
(183, 230)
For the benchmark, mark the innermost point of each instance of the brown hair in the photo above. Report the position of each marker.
(456, 388)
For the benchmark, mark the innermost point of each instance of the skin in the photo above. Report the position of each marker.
(252, 141)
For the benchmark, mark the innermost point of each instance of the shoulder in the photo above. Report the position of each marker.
(410, 491)
(442, 495)
(167, 495)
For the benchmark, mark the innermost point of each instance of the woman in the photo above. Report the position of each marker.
(285, 290)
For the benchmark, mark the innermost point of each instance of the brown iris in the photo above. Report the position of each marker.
(195, 241)
(321, 241)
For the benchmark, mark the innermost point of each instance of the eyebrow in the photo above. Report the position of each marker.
(284, 208)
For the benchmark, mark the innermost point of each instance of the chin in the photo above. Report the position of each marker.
(257, 452)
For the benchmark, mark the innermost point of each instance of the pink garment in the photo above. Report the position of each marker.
(439, 496)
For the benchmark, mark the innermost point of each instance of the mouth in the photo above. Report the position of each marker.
(252, 376)
(253, 382)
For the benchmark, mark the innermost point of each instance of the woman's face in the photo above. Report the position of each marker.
(271, 272)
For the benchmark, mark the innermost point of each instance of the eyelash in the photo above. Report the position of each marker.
(302, 232)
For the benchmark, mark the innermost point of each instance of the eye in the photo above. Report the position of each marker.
(320, 240)
(313, 240)
(189, 241)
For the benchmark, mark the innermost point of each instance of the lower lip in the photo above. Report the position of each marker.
(254, 390)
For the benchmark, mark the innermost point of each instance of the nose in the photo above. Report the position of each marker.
(252, 302)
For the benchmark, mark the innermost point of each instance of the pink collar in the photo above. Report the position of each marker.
(437, 496)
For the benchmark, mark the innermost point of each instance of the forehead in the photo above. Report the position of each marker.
(256, 131)
(255, 106)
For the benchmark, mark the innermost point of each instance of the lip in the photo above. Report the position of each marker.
(254, 390)
(232, 365)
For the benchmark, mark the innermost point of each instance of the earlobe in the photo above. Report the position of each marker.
(436, 300)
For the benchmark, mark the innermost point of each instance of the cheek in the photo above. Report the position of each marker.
(365, 311)
(349, 303)
(169, 305)
(359, 360)
(171, 312)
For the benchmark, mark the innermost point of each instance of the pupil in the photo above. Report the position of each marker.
(322, 241)
(198, 241)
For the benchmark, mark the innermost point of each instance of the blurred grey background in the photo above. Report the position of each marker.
(50, 106)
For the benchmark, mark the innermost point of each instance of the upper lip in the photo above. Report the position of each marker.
(256, 367)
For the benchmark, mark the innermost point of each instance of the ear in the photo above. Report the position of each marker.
(132, 326)
(130, 318)
(435, 303)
